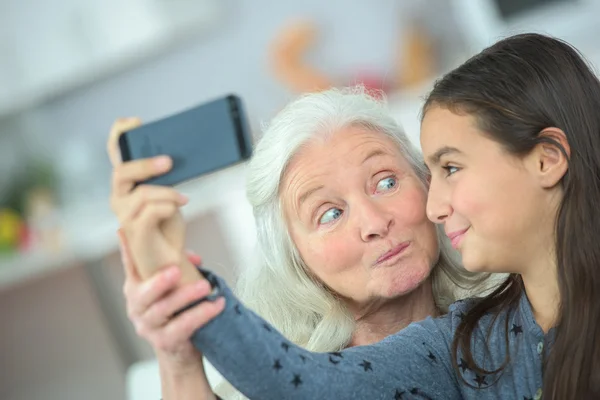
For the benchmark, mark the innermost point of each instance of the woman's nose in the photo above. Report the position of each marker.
(376, 221)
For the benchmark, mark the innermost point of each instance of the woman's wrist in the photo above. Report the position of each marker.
(178, 366)
(183, 379)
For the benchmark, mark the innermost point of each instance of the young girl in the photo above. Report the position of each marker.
(512, 142)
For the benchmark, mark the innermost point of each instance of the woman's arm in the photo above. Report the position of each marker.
(256, 359)
(155, 294)
(181, 368)
(188, 383)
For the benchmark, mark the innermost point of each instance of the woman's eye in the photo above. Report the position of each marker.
(386, 184)
(330, 215)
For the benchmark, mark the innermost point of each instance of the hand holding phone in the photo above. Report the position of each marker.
(149, 215)
(200, 140)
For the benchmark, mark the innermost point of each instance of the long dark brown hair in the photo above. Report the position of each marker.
(515, 89)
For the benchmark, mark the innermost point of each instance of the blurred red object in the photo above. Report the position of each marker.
(25, 238)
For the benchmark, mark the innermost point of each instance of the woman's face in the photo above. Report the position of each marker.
(356, 212)
(491, 203)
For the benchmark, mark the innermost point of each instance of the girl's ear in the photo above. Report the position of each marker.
(550, 158)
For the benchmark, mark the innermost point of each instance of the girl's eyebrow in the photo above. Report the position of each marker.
(435, 158)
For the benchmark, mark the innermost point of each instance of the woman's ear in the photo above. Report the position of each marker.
(551, 157)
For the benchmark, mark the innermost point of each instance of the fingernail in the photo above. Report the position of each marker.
(219, 302)
(183, 198)
(172, 272)
(162, 162)
(202, 286)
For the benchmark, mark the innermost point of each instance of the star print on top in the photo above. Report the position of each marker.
(415, 363)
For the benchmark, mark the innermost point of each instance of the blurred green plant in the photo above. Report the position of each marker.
(36, 174)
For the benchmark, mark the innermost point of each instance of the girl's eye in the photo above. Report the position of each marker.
(330, 215)
(450, 170)
(386, 184)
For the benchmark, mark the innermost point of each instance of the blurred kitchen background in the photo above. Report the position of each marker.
(68, 68)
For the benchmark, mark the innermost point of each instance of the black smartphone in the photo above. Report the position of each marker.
(200, 140)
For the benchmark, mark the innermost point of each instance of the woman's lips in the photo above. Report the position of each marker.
(392, 253)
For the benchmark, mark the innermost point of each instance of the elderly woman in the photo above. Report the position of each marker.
(348, 255)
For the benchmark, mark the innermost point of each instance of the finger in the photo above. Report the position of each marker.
(153, 290)
(128, 265)
(125, 175)
(119, 127)
(162, 311)
(194, 258)
(152, 215)
(147, 194)
(185, 324)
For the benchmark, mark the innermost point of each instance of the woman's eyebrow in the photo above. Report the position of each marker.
(307, 194)
(375, 153)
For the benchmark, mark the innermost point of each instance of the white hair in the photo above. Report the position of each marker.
(280, 287)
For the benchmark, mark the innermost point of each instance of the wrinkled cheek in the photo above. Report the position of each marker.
(430, 242)
(425, 243)
(412, 208)
(331, 263)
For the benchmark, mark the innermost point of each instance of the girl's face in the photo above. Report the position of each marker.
(497, 209)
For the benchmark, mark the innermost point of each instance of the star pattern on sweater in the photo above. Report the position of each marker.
(283, 365)
(297, 381)
(366, 365)
(463, 365)
(480, 380)
(432, 357)
(516, 329)
(335, 357)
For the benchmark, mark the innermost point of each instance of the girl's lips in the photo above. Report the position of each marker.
(456, 237)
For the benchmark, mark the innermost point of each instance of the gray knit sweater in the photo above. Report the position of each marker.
(414, 363)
